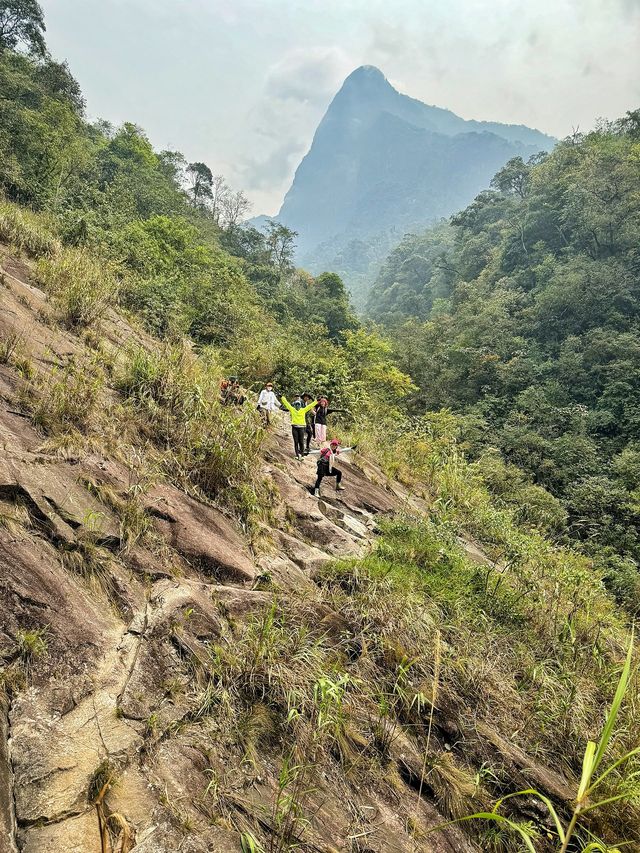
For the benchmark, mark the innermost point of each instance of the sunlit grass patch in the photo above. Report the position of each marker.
(27, 231)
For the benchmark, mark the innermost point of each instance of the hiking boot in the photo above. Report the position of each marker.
(316, 493)
(340, 489)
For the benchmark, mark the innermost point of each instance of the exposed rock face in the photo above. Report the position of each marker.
(201, 534)
(127, 643)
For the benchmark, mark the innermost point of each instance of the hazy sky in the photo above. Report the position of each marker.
(242, 84)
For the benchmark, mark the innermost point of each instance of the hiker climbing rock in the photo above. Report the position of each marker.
(310, 423)
(267, 403)
(321, 412)
(298, 412)
(326, 466)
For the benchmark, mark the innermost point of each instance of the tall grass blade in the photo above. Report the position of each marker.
(587, 770)
(498, 818)
(539, 796)
(607, 731)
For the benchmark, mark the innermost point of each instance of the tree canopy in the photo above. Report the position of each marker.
(523, 315)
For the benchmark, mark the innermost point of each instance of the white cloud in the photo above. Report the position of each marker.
(297, 90)
(310, 76)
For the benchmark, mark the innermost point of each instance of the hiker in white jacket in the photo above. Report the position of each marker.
(267, 402)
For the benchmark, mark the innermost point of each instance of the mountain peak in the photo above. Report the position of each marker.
(367, 76)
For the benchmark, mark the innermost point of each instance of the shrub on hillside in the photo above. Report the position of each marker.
(207, 445)
(66, 399)
(80, 287)
(26, 231)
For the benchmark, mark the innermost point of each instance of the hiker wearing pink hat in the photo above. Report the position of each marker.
(326, 466)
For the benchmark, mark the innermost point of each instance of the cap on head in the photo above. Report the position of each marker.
(334, 442)
(307, 396)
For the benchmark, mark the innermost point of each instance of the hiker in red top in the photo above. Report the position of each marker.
(326, 466)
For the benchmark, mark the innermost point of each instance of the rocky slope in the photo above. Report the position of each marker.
(106, 731)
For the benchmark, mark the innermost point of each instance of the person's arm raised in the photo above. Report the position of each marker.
(286, 403)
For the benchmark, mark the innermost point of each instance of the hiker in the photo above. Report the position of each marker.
(234, 395)
(225, 385)
(267, 403)
(298, 412)
(322, 410)
(325, 467)
(310, 423)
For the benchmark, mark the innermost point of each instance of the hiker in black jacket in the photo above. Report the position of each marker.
(322, 410)
(326, 465)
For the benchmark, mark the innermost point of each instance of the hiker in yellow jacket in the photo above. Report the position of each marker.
(298, 412)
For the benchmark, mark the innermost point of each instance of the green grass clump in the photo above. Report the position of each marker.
(81, 287)
(10, 347)
(613, 788)
(31, 644)
(529, 646)
(213, 448)
(27, 231)
(67, 400)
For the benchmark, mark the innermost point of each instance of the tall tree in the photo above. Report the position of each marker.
(235, 206)
(22, 25)
(173, 165)
(201, 183)
(513, 178)
(280, 243)
(219, 193)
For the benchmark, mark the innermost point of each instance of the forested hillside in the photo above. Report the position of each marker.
(523, 315)
(198, 653)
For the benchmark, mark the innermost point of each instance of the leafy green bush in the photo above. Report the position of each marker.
(208, 445)
(81, 287)
(66, 400)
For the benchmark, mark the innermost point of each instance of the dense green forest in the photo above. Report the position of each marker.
(522, 315)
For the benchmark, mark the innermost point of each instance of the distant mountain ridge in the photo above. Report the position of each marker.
(382, 163)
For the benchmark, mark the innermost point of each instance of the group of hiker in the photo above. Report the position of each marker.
(308, 424)
(231, 393)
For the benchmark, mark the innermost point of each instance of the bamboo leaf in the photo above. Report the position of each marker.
(617, 763)
(491, 816)
(539, 796)
(605, 802)
(607, 731)
(587, 770)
